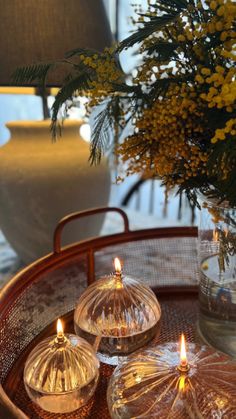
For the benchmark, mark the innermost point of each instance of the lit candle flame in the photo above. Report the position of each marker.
(60, 332)
(184, 367)
(226, 231)
(215, 236)
(183, 355)
(117, 265)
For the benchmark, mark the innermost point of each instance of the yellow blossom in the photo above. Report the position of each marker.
(219, 26)
(206, 71)
(223, 36)
(221, 11)
(213, 5)
(199, 79)
(181, 38)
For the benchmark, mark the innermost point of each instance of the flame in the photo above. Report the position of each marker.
(183, 355)
(226, 231)
(215, 236)
(59, 328)
(117, 265)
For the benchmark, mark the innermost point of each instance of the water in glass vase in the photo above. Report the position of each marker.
(117, 314)
(217, 297)
(114, 349)
(62, 402)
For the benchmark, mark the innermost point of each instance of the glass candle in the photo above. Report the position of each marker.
(61, 372)
(158, 383)
(118, 314)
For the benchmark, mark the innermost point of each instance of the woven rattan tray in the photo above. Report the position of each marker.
(166, 259)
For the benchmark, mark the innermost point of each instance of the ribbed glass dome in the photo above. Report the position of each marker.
(61, 373)
(151, 385)
(117, 314)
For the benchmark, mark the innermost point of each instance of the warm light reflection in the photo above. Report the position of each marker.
(117, 265)
(27, 90)
(226, 231)
(85, 132)
(59, 329)
(181, 382)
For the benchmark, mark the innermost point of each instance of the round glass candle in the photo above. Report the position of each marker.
(154, 384)
(118, 315)
(61, 373)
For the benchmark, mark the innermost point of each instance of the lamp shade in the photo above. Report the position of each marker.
(34, 31)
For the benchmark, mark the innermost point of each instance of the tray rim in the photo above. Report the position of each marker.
(13, 288)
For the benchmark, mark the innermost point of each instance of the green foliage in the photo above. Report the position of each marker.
(148, 29)
(33, 73)
(101, 134)
(80, 83)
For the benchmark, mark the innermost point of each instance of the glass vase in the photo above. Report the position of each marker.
(217, 294)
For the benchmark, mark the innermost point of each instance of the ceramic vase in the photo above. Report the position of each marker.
(41, 181)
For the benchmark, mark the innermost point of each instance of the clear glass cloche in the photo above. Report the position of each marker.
(61, 373)
(118, 315)
(156, 384)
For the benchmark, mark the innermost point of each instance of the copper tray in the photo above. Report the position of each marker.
(165, 258)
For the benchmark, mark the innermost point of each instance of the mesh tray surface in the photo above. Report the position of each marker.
(167, 264)
(179, 314)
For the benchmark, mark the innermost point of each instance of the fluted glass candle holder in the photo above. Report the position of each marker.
(118, 314)
(61, 373)
(155, 384)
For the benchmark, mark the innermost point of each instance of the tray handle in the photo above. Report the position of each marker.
(57, 247)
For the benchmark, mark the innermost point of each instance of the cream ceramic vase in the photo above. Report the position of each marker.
(42, 181)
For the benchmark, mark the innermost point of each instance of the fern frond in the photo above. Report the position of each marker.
(101, 134)
(153, 25)
(160, 87)
(126, 88)
(177, 4)
(163, 49)
(81, 51)
(33, 73)
(80, 83)
(170, 10)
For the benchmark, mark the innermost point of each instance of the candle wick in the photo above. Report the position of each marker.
(118, 279)
(184, 366)
(118, 274)
(60, 338)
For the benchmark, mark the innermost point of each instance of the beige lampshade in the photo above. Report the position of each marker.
(33, 31)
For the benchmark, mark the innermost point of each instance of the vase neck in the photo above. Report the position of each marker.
(41, 129)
